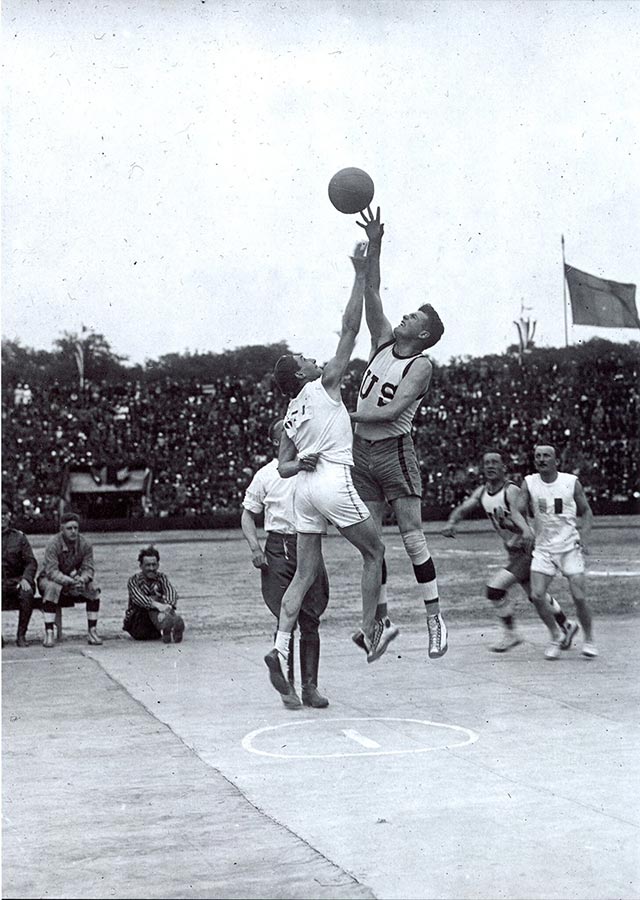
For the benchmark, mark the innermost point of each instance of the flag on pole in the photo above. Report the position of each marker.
(78, 352)
(596, 301)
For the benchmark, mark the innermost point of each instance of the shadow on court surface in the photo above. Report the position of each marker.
(174, 771)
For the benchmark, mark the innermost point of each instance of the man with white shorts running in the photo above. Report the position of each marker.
(553, 500)
(498, 497)
(316, 445)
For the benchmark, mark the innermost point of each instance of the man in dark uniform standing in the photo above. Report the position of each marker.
(18, 573)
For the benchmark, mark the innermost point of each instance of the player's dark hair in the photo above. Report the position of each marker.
(148, 551)
(284, 373)
(272, 428)
(69, 517)
(493, 450)
(436, 328)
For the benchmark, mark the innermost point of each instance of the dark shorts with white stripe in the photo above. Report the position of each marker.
(387, 469)
(281, 553)
(519, 565)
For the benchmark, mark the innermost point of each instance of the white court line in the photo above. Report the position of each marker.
(610, 574)
(247, 741)
(360, 738)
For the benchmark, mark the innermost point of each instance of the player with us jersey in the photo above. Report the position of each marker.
(553, 500)
(386, 469)
(498, 497)
(316, 445)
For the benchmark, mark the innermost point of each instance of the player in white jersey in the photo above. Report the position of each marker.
(272, 495)
(386, 469)
(316, 446)
(554, 500)
(498, 498)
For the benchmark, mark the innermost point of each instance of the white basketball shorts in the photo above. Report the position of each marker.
(571, 562)
(327, 495)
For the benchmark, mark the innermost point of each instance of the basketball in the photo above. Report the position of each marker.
(351, 190)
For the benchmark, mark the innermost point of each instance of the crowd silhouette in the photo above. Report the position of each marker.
(203, 442)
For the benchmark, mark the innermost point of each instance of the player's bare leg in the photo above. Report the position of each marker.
(577, 586)
(309, 562)
(539, 585)
(408, 513)
(498, 593)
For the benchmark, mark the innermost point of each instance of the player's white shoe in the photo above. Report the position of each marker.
(589, 650)
(438, 636)
(553, 650)
(508, 639)
(384, 631)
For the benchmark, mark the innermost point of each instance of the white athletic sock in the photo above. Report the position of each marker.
(283, 639)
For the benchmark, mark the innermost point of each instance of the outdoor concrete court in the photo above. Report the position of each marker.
(174, 771)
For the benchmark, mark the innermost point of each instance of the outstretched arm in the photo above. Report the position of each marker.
(461, 511)
(378, 324)
(336, 367)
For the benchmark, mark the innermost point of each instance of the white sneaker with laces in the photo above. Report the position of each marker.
(589, 650)
(438, 642)
(383, 633)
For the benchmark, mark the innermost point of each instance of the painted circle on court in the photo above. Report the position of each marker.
(355, 736)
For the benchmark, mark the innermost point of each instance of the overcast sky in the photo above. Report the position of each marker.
(165, 166)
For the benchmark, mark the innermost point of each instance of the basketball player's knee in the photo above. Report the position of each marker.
(496, 595)
(93, 605)
(48, 606)
(416, 546)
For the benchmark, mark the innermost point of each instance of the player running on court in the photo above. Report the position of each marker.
(386, 469)
(498, 497)
(553, 500)
(316, 446)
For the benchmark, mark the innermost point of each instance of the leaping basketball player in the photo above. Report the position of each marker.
(386, 468)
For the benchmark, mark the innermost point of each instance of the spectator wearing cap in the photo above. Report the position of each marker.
(19, 568)
(151, 612)
(67, 574)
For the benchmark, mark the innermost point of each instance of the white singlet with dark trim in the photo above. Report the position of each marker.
(497, 508)
(379, 384)
(553, 508)
(318, 424)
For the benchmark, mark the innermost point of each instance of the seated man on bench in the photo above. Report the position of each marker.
(67, 577)
(18, 574)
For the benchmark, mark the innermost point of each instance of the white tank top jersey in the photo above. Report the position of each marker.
(497, 508)
(273, 495)
(379, 384)
(553, 508)
(318, 424)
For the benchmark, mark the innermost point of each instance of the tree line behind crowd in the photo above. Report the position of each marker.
(200, 422)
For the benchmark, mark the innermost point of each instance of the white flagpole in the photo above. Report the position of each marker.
(564, 296)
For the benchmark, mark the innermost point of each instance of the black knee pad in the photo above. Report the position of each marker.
(425, 572)
(49, 606)
(93, 606)
(495, 594)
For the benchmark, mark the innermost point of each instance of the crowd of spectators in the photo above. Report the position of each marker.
(203, 442)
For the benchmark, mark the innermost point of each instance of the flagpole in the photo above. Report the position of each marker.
(564, 296)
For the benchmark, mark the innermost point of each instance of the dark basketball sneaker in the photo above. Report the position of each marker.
(291, 699)
(569, 632)
(276, 676)
(178, 630)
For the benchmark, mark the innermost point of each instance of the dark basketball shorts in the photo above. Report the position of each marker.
(387, 469)
(519, 564)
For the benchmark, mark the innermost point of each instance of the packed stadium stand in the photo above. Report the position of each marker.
(201, 442)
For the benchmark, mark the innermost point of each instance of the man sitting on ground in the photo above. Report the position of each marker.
(151, 612)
